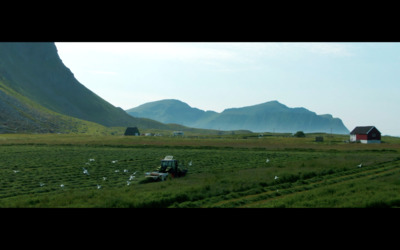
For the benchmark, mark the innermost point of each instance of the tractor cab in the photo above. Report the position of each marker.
(168, 166)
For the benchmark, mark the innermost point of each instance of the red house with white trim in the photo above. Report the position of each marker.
(366, 134)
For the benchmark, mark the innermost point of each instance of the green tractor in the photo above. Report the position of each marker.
(169, 166)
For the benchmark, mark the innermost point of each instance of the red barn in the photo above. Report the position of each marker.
(366, 134)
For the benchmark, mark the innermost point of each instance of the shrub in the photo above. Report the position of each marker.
(299, 134)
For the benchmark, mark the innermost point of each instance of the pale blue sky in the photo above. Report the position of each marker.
(357, 82)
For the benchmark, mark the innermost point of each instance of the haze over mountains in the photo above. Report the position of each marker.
(265, 117)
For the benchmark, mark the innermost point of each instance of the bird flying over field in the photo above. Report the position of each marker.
(267, 160)
(359, 165)
(276, 177)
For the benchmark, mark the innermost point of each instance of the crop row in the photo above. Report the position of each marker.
(294, 184)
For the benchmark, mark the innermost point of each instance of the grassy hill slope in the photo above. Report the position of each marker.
(35, 71)
(19, 114)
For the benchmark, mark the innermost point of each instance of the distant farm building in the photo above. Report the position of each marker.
(366, 134)
(132, 131)
(177, 133)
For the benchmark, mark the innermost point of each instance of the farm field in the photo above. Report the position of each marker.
(237, 171)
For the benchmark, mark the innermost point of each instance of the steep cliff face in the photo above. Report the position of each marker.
(36, 72)
(19, 114)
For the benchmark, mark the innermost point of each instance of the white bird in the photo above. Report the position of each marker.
(16, 171)
(128, 183)
(190, 163)
(91, 159)
(85, 171)
(359, 165)
(104, 178)
(276, 177)
(131, 177)
(267, 160)
(98, 186)
(125, 170)
(62, 185)
(134, 173)
(114, 161)
(116, 171)
(41, 184)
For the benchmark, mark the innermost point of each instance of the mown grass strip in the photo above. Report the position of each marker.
(246, 198)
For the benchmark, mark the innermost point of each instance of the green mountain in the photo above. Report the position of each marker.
(19, 114)
(171, 111)
(266, 117)
(38, 93)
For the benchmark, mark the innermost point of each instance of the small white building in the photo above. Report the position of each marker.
(177, 133)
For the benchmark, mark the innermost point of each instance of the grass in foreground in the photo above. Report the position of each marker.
(226, 172)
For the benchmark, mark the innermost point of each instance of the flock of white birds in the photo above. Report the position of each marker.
(86, 172)
(133, 175)
(128, 182)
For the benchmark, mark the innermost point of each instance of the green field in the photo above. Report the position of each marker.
(227, 171)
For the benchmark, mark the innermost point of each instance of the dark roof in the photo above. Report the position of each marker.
(131, 131)
(362, 130)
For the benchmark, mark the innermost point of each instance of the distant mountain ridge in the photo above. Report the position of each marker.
(171, 111)
(265, 117)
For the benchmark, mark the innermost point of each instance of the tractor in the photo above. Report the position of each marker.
(169, 166)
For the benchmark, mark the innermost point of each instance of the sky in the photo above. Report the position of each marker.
(358, 82)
